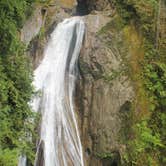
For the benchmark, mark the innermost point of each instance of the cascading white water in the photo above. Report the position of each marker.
(22, 160)
(55, 79)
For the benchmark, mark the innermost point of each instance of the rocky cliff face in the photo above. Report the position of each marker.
(37, 29)
(99, 5)
(103, 91)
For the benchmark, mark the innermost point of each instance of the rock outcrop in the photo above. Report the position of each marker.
(37, 29)
(103, 90)
(99, 5)
(70, 4)
(33, 25)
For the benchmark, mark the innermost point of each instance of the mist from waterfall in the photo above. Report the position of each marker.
(55, 80)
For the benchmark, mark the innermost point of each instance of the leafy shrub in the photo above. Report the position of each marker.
(16, 124)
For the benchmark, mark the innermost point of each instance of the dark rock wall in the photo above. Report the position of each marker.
(99, 5)
(99, 101)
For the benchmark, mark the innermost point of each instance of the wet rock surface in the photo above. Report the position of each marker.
(100, 101)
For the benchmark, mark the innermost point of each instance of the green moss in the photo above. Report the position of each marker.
(117, 23)
(104, 155)
(112, 75)
(110, 158)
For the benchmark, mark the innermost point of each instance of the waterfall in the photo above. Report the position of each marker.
(55, 80)
(22, 160)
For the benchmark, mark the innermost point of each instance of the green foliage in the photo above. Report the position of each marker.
(41, 34)
(12, 16)
(110, 157)
(114, 74)
(142, 12)
(155, 83)
(16, 123)
(148, 135)
(145, 137)
(104, 155)
(147, 141)
(9, 157)
(155, 74)
(117, 23)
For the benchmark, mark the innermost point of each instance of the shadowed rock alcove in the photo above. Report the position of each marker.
(82, 8)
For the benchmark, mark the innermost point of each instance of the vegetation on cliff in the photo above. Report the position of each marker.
(146, 144)
(16, 126)
(135, 33)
